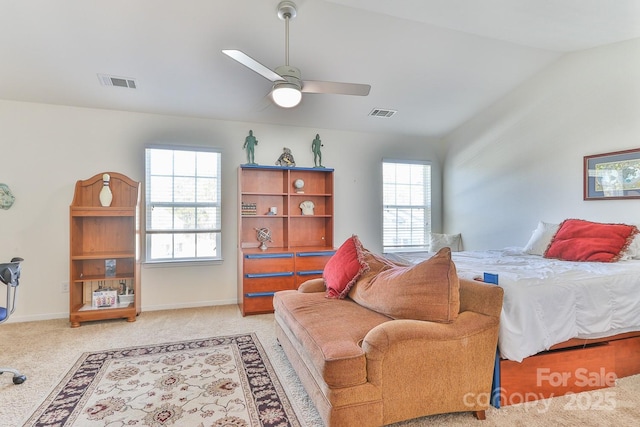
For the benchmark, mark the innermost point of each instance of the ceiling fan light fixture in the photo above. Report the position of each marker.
(286, 95)
(287, 80)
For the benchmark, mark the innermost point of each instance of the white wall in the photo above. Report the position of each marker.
(521, 160)
(46, 149)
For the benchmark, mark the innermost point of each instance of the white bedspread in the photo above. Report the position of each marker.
(550, 301)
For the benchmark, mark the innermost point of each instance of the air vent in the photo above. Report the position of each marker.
(379, 112)
(107, 80)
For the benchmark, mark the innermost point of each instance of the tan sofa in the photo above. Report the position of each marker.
(362, 367)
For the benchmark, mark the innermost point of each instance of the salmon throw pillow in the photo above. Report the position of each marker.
(428, 291)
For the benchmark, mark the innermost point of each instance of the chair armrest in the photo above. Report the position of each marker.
(312, 285)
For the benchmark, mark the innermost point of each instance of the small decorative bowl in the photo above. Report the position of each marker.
(125, 299)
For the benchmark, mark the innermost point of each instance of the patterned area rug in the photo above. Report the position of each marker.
(213, 382)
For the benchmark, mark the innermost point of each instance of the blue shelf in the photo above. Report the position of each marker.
(248, 166)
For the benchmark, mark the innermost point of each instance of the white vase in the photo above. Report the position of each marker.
(105, 194)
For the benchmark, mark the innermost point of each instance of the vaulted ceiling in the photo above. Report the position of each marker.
(437, 62)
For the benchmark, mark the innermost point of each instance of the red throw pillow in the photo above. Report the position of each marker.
(344, 268)
(579, 240)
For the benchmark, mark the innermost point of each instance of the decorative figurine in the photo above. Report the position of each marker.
(299, 185)
(307, 207)
(263, 235)
(250, 143)
(105, 193)
(286, 158)
(317, 152)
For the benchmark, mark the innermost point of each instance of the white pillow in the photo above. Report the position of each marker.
(633, 251)
(540, 238)
(439, 241)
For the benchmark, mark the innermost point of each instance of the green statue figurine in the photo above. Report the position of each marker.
(317, 153)
(250, 143)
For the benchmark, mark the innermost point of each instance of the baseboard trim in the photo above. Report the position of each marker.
(189, 305)
(51, 316)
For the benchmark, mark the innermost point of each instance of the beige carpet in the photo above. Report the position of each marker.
(46, 350)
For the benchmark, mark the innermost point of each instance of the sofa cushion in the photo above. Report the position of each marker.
(328, 333)
(580, 240)
(344, 268)
(376, 264)
(429, 290)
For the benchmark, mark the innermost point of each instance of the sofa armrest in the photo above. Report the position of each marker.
(312, 285)
(440, 363)
(424, 337)
(481, 297)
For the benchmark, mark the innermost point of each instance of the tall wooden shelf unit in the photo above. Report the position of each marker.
(98, 234)
(300, 244)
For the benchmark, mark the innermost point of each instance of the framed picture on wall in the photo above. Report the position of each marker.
(611, 176)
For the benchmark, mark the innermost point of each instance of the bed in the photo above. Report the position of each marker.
(566, 326)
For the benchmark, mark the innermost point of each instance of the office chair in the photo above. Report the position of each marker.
(10, 275)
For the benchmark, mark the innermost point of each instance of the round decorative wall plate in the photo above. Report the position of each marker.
(6, 197)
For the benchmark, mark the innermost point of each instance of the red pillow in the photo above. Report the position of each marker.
(579, 240)
(344, 268)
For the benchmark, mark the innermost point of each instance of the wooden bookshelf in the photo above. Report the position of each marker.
(300, 244)
(100, 236)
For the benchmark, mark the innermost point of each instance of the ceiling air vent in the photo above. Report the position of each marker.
(107, 80)
(384, 113)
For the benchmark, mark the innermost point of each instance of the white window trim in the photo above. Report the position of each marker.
(181, 261)
(428, 208)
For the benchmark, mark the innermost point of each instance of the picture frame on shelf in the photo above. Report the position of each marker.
(612, 176)
(110, 268)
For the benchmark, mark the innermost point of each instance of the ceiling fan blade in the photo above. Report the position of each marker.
(263, 104)
(314, 86)
(252, 64)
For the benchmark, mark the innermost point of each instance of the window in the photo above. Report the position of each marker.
(183, 221)
(406, 205)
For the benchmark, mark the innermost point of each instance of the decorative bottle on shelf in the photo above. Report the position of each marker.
(105, 193)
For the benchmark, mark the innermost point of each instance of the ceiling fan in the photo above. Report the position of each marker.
(288, 85)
